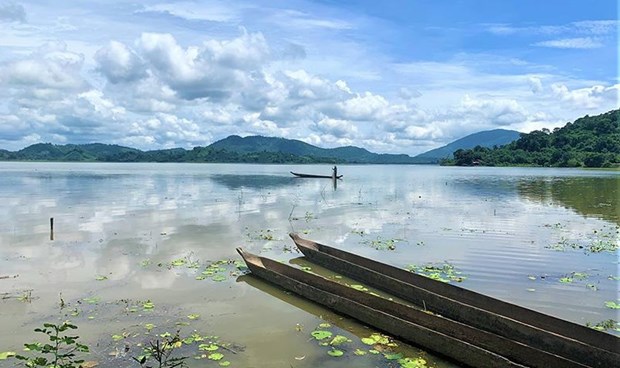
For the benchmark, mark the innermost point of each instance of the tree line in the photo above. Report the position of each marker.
(590, 141)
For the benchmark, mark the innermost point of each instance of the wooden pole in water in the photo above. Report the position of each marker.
(51, 228)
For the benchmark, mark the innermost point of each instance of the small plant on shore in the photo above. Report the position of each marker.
(61, 350)
(160, 352)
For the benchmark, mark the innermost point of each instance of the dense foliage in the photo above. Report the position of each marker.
(229, 150)
(487, 138)
(591, 141)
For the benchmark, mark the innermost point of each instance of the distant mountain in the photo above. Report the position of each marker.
(487, 138)
(252, 149)
(348, 154)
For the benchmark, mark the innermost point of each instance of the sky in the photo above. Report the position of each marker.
(389, 76)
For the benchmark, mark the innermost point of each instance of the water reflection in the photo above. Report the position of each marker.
(492, 224)
(589, 196)
(235, 182)
(347, 326)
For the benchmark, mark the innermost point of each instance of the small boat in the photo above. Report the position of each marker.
(315, 176)
(556, 336)
(457, 341)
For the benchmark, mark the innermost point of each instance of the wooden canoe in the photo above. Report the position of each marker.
(563, 338)
(457, 341)
(315, 176)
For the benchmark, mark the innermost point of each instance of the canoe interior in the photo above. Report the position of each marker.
(404, 284)
(370, 309)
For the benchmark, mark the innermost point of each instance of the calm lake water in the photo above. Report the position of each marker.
(129, 234)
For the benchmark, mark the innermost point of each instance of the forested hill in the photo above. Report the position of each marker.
(487, 138)
(255, 149)
(590, 141)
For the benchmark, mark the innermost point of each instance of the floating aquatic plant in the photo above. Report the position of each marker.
(444, 272)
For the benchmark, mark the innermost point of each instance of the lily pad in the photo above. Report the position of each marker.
(219, 278)
(612, 305)
(359, 352)
(148, 305)
(393, 356)
(193, 316)
(178, 262)
(208, 347)
(215, 356)
(335, 352)
(224, 363)
(339, 340)
(321, 334)
(325, 325)
(7, 354)
(92, 300)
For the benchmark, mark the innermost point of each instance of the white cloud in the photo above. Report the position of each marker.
(594, 97)
(572, 43)
(51, 67)
(118, 63)
(363, 107)
(337, 128)
(535, 84)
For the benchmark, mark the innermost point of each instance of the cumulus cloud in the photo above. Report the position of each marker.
(12, 12)
(53, 67)
(363, 107)
(118, 63)
(593, 97)
(213, 70)
(337, 128)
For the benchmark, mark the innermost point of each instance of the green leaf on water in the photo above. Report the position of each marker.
(373, 351)
(215, 356)
(224, 363)
(368, 341)
(612, 305)
(101, 278)
(148, 305)
(7, 354)
(219, 278)
(359, 352)
(149, 326)
(208, 347)
(325, 325)
(335, 352)
(566, 280)
(193, 316)
(92, 300)
(339, 340)
(393, 356)
(178, 262)
(321, 334)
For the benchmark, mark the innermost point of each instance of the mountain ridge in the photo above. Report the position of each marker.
(486, 138)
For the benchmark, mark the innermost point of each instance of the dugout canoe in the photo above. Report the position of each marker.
(299, 175)
(559, 337)
(457, 341)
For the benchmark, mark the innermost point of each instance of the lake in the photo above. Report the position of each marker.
(133, 243)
